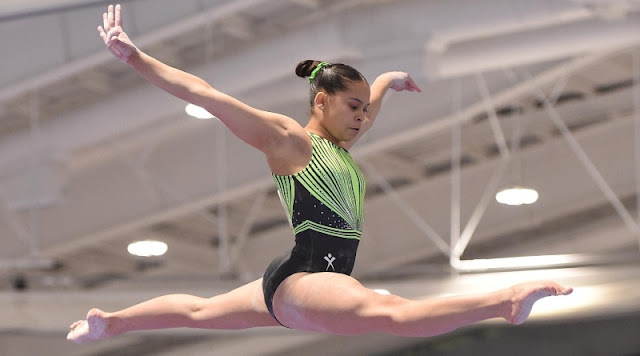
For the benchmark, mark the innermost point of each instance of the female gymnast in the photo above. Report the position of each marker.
(322, 188)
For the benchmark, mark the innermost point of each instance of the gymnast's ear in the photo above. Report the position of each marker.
(320, 100)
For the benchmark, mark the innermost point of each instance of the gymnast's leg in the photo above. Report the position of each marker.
(241, 308)
(336, 303)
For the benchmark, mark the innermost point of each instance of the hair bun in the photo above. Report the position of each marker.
(304, 68)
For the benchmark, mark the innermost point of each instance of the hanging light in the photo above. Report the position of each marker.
(147, 248)
(198, 112)
(517, 196)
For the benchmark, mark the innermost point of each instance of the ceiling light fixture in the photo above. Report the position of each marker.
(517, 196)
(198, 112)
(147, 248)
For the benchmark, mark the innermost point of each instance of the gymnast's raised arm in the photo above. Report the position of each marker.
(397, 81)
(270, 133)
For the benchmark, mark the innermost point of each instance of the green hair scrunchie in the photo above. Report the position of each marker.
(316, 70)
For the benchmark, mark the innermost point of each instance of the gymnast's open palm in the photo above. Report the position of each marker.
(402, 81)
(114, 36)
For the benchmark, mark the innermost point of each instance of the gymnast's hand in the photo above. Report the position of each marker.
(400, 81)
(114, 36)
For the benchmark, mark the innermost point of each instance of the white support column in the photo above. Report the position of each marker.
(34, 133)
(406, 208)
(456, 153)
(635, 57)
(221, 170)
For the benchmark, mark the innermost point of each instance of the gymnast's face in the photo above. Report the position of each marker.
(344, 112)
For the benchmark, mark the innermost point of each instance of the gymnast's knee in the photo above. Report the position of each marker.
(387, 314)
(197, 308)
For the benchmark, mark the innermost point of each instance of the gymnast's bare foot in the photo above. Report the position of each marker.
(523, 296)
(94, 328)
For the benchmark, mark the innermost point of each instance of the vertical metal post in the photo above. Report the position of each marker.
(635, 57)
(221, 172)
(516, 137)
(223, 231)
(456, 153)
(34, 132)
(636, 116)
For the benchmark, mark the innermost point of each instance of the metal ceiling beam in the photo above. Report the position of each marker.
(411, 213)
(498, 134)
(516, 49)
(146, 40)
(516, 16)
(586, 161)
(501, 98)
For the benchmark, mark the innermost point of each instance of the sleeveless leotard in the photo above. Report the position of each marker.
(324, 205)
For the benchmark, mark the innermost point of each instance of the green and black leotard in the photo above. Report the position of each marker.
(324, 204)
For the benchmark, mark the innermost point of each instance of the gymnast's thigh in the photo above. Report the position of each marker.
(240, 308)
(333, 303)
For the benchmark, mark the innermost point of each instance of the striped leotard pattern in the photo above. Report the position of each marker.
(334, 181)
(324, 205)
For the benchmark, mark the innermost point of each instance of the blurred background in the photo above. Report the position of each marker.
(541, 95)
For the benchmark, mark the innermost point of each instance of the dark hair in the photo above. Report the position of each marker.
(332, 78)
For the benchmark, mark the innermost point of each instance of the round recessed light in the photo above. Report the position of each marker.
(517, 196)
(147, 248)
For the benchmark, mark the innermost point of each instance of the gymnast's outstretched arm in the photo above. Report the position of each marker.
(269, 132)
(398, 81)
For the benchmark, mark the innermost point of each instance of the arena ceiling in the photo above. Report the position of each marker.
(535, 93)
